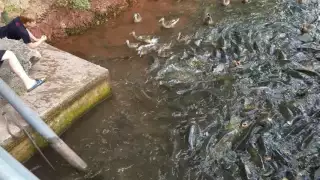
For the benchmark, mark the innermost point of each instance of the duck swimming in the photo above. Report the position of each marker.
(169, 24)
(137, 18)
(235, 63)
(166, 46)
(300, 1)
(164, 53)
(145, 38)
(163, 50)
(208, 19)
(132, 45)
(186, 39)
(305, 28)
(225, 2)
(145, 49)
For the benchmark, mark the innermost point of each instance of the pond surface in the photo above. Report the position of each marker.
(239, 101)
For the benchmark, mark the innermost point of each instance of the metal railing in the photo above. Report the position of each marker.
(41, 127)
(11, 169)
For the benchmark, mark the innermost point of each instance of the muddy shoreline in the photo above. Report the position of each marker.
(61, 18)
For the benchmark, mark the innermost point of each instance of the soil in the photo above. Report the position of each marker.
(58, 21)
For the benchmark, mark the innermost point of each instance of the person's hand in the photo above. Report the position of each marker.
(44, 38)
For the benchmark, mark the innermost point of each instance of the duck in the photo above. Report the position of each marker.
(137, 18)
(169, 24)
(235, 63)
(305, 28)
(145, 38)
(186, 39)
(132, 45)
(245, 124)
(163, 50)
(245, 1)
(225, 2)
(145, 49)
(208, 19)
(164, 53)
(166, 46)
(197, 42)
(300, 1)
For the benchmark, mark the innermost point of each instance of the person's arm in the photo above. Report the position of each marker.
(37, 43)
(32, 36)
(34, 44)
(24, 34)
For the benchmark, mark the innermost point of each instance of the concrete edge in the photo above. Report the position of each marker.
(50, 115)
(62, 117)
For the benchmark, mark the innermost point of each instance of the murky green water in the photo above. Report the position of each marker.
(195, 115)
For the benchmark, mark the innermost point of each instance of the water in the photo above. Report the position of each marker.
(195, 114)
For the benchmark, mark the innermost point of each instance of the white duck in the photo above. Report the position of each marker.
(169, 24)
(137, 18)
(163, 50)
(166, 46)
(145, 38)
(186, 39)
(208, 20)
(225, 2)
(132, 45)
(145, 49)
(164, 53)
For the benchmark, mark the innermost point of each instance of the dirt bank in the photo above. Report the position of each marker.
(58, 18)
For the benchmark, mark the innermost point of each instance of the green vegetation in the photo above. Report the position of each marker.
(80, 4)
(11, 8)
(62, 3)
(8, 12)
(4, 17)
(76, 4)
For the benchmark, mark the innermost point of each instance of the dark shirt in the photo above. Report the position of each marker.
(15, 30)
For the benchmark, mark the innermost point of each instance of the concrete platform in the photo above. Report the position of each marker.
(73, 87)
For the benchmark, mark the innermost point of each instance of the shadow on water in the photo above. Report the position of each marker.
(240, 101)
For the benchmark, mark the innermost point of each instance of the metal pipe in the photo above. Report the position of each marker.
(10, 168)
(8, 173)
(41, 127)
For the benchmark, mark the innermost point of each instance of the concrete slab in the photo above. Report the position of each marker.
(73, 86)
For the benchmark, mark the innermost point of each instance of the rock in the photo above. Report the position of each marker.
(24, 54)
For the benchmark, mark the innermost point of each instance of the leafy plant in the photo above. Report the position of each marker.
(76, 4)
(80, 4)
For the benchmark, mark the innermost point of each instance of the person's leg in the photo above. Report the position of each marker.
(18, 69)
